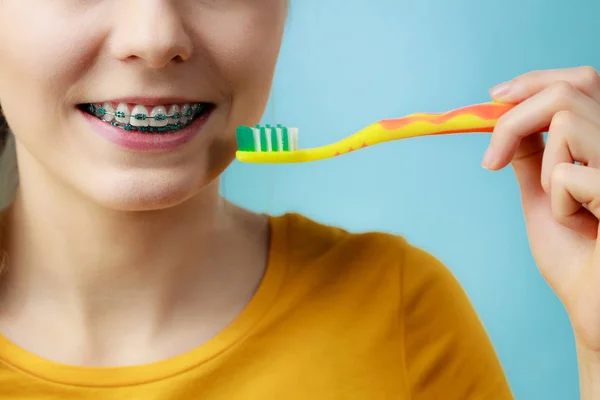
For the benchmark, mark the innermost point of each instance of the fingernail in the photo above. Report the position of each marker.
(501, 90)
(488, 157)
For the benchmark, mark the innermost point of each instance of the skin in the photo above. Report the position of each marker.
(124, 248)
(118, 252)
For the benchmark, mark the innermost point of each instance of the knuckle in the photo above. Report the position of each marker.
(559, 175)
(562, 94)
(563, 90)
(589, 76)
(558, 178)
(563, 122)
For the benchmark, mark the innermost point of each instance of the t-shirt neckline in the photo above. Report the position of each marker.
(265, 295)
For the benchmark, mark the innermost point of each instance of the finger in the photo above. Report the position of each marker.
(534, 115)
(586, 79)
(574, 186)
(528, 170)
(571, 138)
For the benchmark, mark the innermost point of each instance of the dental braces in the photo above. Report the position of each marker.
(189, 113)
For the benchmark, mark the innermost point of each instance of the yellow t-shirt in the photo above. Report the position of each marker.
(338, 316)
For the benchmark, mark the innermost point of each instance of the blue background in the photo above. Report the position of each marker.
(348, 63)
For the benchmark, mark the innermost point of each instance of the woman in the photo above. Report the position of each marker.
(126, 276)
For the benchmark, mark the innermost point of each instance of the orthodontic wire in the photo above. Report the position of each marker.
(142, 117)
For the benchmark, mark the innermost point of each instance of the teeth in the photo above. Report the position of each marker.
(159, 117)
(184, 111)
(122, 113)
(139, 116)
(109, 114)
(172, 111)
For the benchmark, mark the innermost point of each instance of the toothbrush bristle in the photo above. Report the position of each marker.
(245, 138)
(267, 138)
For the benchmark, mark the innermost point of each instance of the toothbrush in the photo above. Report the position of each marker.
(279, 144)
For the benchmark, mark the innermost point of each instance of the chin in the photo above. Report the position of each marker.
(147, 191)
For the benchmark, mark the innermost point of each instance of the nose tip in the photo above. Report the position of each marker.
(160, 56)
(155, 34)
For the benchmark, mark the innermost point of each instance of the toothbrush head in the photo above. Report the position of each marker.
(267, 138)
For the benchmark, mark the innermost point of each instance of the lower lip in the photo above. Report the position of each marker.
(134, 140)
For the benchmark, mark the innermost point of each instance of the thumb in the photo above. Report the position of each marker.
(527, 165)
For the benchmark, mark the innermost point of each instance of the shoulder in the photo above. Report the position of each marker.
(406, 277)
(307, 240)
(447, 350)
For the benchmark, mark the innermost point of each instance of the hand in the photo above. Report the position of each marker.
(559, 182)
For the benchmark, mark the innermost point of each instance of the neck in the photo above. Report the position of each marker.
(100, 267)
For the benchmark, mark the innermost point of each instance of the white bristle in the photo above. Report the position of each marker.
(256, 132)
(293, 132)
(269, 144)
(279, 138)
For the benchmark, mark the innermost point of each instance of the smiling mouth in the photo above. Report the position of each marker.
(141, 118)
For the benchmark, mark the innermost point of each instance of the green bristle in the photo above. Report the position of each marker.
(263, 138)
(274, 141)
(245, 138)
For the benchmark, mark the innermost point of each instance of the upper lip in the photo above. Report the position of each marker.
(152, 101)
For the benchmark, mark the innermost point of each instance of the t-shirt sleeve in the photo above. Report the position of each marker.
(448, 352)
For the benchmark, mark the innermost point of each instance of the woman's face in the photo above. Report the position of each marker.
(138, 66)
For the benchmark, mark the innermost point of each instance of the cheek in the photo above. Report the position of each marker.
(40, 59)
(244, 49)
(247, 54)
